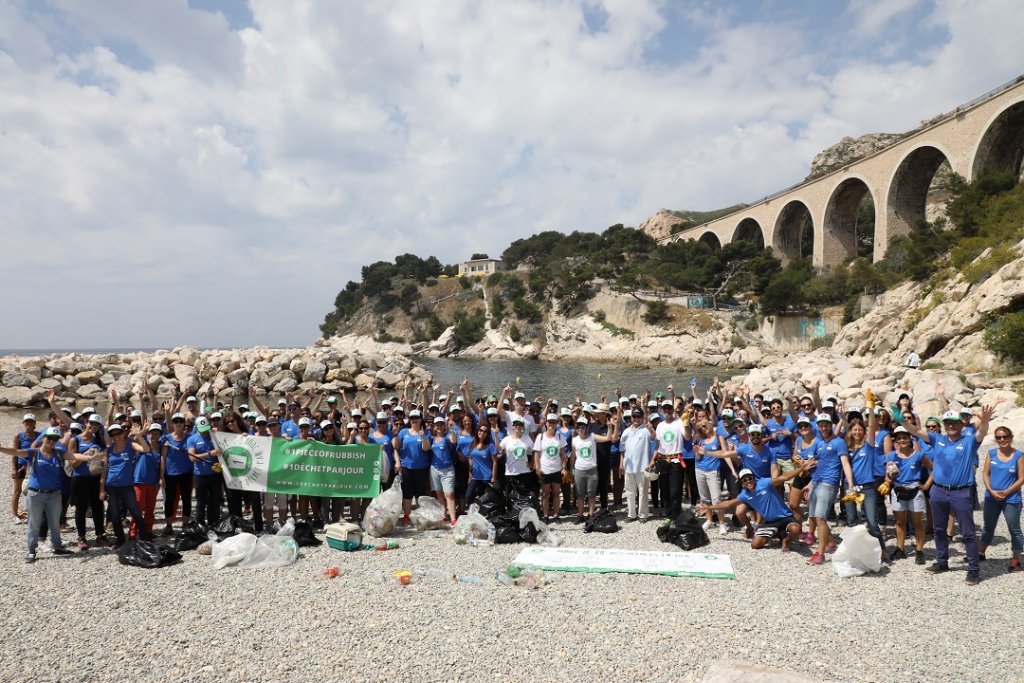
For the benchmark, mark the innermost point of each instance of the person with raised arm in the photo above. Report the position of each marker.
(904, 468)
(832, 462)
(952, 454)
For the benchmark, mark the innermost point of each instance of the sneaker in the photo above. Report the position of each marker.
(46, 548)
(405, 520)
(897, 554)
(937, 568)
(18, 520)
(1014, 565)
(105, 542)
(919, 558)
(973, 578)
(723, 530)
(707, 525)
(831, 548)
(63, 551)
(816, 558)
(82, 545)
(808, 538)
(30, 558)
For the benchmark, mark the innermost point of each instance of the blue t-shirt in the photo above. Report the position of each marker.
(880, 453)
(46, 472)
(806, 452)
(177, 462)
(385, 442)
(483, 466)
(910, 468)
(758, 463)
(709, 463)
(441, 453)
(863, 463)
(1003, 475)
(766, 500)
(953, 462)
(121, 465)
(147, 467)
(781, 444)
(566, 433)
(410, 451)
(202, 444)
(24, 443)
(463, 444)
(829, 453)
(290, 429)
(82, 445)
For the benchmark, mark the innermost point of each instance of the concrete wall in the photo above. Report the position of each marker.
(797, 332)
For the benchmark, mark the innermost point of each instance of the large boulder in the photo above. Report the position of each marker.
(15, 396)
(65, 365)
(285, 385)
(90, 376)
(314, 371)
(188, 355)
(89, 391)
(17, 378)
(188, 378)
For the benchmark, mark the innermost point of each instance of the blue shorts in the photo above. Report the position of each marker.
(442, 480)
(823, 495)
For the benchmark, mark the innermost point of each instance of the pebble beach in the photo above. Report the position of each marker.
(86, 617)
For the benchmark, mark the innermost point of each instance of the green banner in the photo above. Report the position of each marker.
(305, 468)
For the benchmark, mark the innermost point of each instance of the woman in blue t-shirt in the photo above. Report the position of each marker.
(483, 458)
(177, 473)
(1004, 475)
(119, 485)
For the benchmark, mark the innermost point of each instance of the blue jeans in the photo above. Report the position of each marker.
(123, 498)
(38, 504)
(960, 504)
(870, 505)
(1011, 513)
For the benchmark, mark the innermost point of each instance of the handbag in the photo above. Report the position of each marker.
(904, 494)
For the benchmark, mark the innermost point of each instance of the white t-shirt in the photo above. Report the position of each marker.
(633, 444)
(550, 449)
(517, 454)
(670, 437)
(528, 421)
(585, 451)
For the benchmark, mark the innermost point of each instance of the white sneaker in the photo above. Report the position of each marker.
(19, 520)
(707, 525)
(722, 530)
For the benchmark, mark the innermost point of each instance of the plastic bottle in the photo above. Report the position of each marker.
(386, 545)
(504, 579)
(433, 573)
(404, 576)
(331, 572)
(379, 577)
(469, 579)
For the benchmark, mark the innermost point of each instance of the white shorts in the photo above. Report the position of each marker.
(915, 504)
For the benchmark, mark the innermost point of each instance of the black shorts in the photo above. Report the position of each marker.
(800, 482)
(415, 483)
(553, 478)
(776, 529)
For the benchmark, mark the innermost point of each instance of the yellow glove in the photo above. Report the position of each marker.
(853, 497)
(869, 397)
(884, 488)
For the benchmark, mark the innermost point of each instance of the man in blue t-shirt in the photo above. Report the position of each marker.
(953, 462)
(760, 494)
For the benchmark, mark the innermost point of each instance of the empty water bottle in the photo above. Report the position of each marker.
(504, 579)
(469, 579)
(433, 573)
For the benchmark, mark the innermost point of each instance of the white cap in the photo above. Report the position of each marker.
(582, 421)
(76, 426)
(28, 416)
(115, 428)
(305, 422)
(439, 420)
(382, 415)
(136, 413)
(828, 404)
(216, 416)
(52, 431)
(415, 413)
(633, 397)
(190, 399)
(744, 473)
(755, 429)
(823, 417)
(282, 402)
(244, 407)
(433, 406)
(551, 417)
(324, 424)
(900, 430)
(565, 412)
(519, 395)
(261, 419)
(155, 427)
(698, 402)
(177, 416)
(951, 416)
(356, 412)
(350, 426)
(88, 409)
(516, 420)
(492, 411)
(119, 416)
(96, 419)
(202, 424)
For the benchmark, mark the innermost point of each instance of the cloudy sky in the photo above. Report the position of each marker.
(213, 172)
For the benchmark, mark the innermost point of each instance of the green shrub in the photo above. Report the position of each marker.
(469, 329)
(751, 324)
(738, 342)
(436, 326)
(431, 282)
(526, 311)
(494, 279)
(514, 334)
(1004, 336)
(823, 342)
(1019, 388)
(598, 316)
(931, 365)
(466, 282)
(655, 312)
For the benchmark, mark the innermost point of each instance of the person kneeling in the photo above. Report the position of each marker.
(760, 495)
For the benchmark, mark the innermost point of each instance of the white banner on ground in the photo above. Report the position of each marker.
(601, 560)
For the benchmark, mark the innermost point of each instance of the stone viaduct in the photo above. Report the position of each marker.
(987, 133)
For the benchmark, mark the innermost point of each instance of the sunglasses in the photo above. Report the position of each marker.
(806, 405)
(1004, 437)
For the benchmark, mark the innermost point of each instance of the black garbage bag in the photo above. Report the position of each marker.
(191, 536)
(491, 501)
(528, 533)
(520, 495)
(230, 525)
(147, 554)
(304, 535)
(684, 531)
(506, 533)
(603, 522)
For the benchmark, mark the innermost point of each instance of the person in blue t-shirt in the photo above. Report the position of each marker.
(177, 473)
(147, 475)
(830, 461)
(19, 465)
(483, 456)
(44, 497)
(119, 485)
(412, 449)
(442, 465)
(904, 467)
(209, 484)
(864, 459)
(760, 495)
(1003, 473)
(953, 459)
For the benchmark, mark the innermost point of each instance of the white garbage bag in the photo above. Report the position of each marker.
(233, 549)
(858, 553)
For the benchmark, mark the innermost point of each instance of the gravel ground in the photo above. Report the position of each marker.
(85, 617)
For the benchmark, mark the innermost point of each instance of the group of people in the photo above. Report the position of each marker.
(776, 461)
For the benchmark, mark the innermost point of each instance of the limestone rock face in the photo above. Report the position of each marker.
(848, 150)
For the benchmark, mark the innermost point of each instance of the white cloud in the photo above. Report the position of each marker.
(234, 180)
